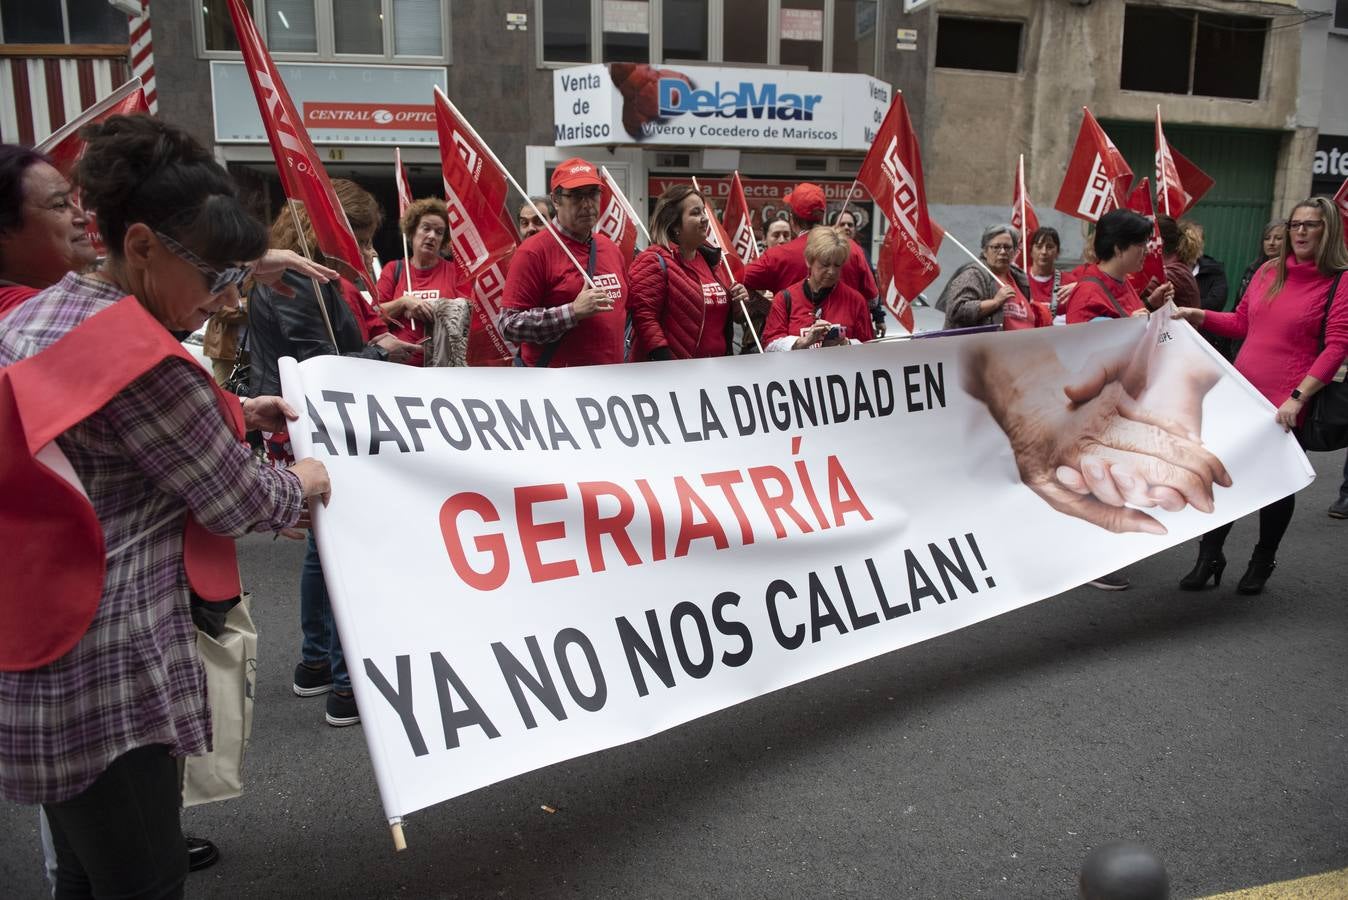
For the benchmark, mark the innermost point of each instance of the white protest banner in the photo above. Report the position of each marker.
(602, 553)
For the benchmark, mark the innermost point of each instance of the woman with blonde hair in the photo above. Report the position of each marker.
(680, 295)
(819, 311)
(1294, 321)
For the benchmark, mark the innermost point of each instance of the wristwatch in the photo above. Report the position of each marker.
(1296, 393)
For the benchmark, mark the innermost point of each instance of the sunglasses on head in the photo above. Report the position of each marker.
(218, 280)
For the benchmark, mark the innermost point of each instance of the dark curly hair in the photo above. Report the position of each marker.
(142, 169)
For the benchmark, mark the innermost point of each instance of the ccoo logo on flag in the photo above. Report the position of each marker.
(1098, 196)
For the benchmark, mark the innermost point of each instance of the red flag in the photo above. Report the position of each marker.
(1178, 187)
(1341, 201)
(1023, 217)
(482, 235)
(475, 191)
(738, 222)
(717, 237)
(617, 219)
(1153, 264)
(400, 179)
(892, 172)
(891, 253)
(302, 174)
(1097, 175)
(1196, 182)
(65, 146)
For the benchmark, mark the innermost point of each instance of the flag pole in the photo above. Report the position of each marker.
(846, 200)
(1024, 224)
(748, 322)
(318, 291)
(970, 253)
(516, 185)
(407, 267)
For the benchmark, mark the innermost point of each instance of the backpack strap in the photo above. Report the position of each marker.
(1329, 303)
(1108, 293)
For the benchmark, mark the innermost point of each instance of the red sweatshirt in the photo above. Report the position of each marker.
(784, 265)
(843, 306)
(1089, 302)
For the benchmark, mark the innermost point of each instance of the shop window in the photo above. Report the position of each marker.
(1174, 51)
(1341, 14)
(854, 35)
(291, 26)
(358, 27)
(801, 23)
(62, 22)
(987, 45)
(332, 28)
(566, 31)
(684, 25)
(416, 28)
(745, 32)
(627, 31)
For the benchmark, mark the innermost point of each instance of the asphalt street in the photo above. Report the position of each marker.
(986, 763)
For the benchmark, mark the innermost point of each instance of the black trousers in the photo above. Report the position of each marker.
(1273, 522)
(122, 837)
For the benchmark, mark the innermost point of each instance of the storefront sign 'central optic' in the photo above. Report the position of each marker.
(704, 106)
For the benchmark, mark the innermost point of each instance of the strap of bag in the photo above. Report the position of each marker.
(1053, 293)
(1108, 293)
(1329, 303)
(397, 273)
(545, 358)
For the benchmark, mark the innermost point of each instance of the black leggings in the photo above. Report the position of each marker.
(1273, 522)
(122, 837)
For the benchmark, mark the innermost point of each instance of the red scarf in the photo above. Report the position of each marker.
(47, 603)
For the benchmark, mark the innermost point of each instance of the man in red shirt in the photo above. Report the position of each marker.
(782, 266)
(548, 308)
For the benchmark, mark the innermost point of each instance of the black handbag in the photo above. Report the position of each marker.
(1326, 424)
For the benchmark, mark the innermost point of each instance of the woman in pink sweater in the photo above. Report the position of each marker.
(1281, 318)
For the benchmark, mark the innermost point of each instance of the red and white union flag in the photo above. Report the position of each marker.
(1097, 174)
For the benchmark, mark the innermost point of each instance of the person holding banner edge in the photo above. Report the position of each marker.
(680, 305)
(105, 772)
(560, 314)
(1102, 290)
(1293, 320)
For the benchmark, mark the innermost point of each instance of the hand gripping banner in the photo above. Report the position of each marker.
(604, 553)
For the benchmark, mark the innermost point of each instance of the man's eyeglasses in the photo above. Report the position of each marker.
(218, 280)
(581, 196)
(1307, 225)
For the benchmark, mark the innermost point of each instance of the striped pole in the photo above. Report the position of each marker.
(142, 55)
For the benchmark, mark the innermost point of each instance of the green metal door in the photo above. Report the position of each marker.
(1243, 164)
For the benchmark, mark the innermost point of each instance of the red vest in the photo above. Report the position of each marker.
(47, 603)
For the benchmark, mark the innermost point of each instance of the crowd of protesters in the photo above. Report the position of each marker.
(180, 243)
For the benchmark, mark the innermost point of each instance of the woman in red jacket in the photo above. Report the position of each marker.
(680, 295)
(1296, 338)
(820, 310)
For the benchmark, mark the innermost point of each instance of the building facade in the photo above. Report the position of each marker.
(1240, 88)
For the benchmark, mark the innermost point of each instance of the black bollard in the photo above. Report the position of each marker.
(1123, 871)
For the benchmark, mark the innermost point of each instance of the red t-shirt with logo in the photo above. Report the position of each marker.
(716, 304)
(439, 282)
(541, 274)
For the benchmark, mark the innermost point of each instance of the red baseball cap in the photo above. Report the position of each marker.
(576, 172)
(807, 202)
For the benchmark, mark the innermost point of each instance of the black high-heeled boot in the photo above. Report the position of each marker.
(1260, 568)
(1210, 565)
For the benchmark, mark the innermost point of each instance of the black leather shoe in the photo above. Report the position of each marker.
(1252, 582)
(1206, 567)
(201, 854)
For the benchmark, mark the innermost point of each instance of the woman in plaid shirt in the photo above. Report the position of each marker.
(93, 734)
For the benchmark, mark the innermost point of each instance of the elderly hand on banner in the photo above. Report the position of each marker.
(409, 307)
(274, 263)
(1097, 451)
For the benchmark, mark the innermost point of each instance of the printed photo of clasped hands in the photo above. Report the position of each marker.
(1103, 444)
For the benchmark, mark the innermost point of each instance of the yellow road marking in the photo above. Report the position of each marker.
(1325, 886)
